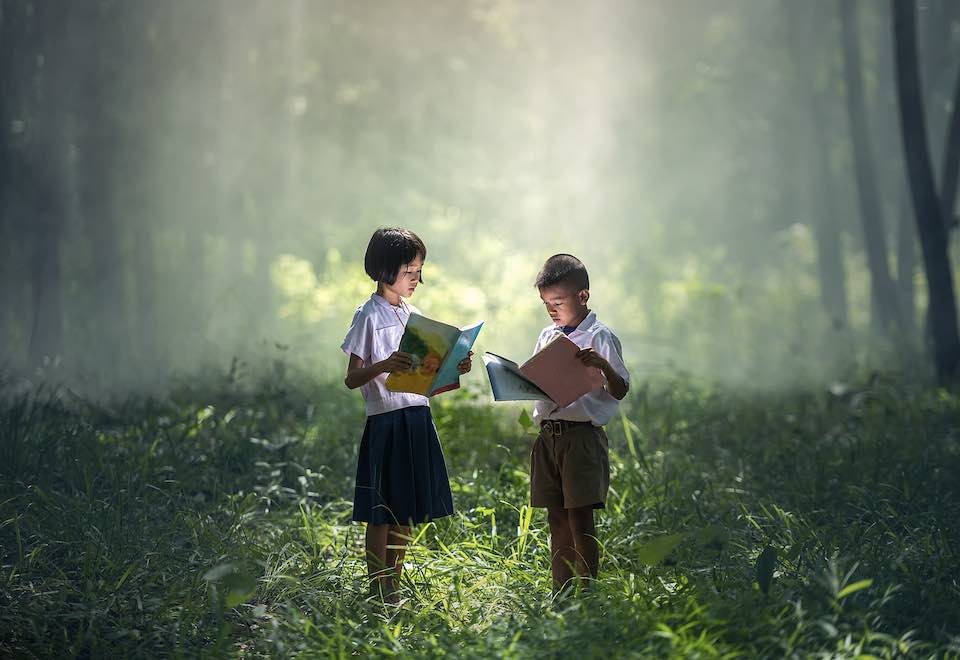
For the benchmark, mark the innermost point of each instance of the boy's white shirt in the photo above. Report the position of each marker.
(374, 335)
(598, 406)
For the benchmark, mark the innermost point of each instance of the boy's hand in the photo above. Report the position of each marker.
(616, 385)
(397, 362)
(466, 364)
(593, 359)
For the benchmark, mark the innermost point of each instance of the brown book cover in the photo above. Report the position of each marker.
(554, 373)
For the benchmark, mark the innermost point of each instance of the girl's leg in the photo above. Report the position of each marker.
(395, 550)
(376, 550)
(562, 551)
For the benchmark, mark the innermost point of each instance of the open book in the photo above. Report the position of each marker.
(553, 374)
(436, 349)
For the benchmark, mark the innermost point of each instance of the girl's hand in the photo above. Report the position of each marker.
(397, 362)
(466, 364)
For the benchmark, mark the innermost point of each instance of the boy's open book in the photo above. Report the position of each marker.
(436, 349)
(553, 374)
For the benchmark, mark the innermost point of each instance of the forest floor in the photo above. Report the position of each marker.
(216, 522)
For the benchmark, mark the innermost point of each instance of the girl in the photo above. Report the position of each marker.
(401, 477)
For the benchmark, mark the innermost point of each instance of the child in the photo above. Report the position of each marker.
(569, 469)
(401, 476)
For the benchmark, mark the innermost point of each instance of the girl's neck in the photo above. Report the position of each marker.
(390, 296)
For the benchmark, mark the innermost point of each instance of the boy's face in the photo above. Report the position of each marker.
(407, 279)
(564, 305)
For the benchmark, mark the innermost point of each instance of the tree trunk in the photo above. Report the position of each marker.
(906, 260)
(141, 189)
(46, 328)
(882, 293)
(8, 256)
(40, 182)
(926, 202)
(951, 161)
(831, 274)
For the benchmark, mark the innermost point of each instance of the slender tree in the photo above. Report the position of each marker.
(882, 294)
(926, 202)
(950, 172)
(39, 178)
(831, 273)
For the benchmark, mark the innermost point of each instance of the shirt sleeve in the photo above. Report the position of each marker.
(545, 335)
(359, 339)
(606, 344)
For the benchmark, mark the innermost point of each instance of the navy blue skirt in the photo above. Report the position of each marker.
(401, 476)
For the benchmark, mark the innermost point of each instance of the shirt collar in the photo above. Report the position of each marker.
(584, 325)
(386, 306)
(587, 322)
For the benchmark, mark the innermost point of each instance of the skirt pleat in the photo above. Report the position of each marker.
(401, 474)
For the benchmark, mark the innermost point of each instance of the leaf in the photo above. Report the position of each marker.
(525, 420)
(218, 572)
(237, 585)
(657, 550)
(713, 536)
(853, 588)
(828, 628)
(240, 587)
(766, 562)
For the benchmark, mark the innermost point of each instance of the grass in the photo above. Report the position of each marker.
(215, 522)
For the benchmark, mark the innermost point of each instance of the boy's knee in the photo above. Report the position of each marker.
(581, 520)
(557, 517)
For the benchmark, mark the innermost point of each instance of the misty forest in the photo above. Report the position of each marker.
(763, 192)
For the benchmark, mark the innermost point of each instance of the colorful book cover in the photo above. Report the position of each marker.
(436, 348)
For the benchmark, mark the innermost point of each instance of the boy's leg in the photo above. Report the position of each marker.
(376, 551)
(563, 553)
(396, 548)
(584, 535)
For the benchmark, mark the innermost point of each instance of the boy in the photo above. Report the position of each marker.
(569, 468)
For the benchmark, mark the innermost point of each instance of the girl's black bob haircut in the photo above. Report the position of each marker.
(388, 249)
(565, 269)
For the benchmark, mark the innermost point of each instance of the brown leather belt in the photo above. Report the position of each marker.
(555, 427)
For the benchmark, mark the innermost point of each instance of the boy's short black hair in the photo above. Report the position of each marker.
(563, 268)
(388, 249)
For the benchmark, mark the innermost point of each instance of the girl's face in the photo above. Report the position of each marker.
(407, 279)
(564, 305)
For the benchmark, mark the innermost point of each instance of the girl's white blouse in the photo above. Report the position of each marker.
(374, 334)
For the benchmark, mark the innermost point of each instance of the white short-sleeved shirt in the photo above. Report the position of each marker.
(597, 406)
(374, 334)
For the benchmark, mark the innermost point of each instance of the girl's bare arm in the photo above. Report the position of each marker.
(359, 375)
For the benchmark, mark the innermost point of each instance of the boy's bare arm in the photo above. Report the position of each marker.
(616, 385)
(359, 375)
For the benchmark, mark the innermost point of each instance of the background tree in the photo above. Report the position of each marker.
(926, 201)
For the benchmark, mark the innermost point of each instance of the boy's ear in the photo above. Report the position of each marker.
(583, 296)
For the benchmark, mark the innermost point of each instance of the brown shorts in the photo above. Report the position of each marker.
(569, 467)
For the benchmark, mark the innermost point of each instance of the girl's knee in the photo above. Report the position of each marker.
(399, 532)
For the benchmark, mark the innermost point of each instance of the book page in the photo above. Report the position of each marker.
(557, 371)
(448, 377)
(508, 383)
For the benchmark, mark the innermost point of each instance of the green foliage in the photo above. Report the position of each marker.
(215, 522)
(657, 550)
